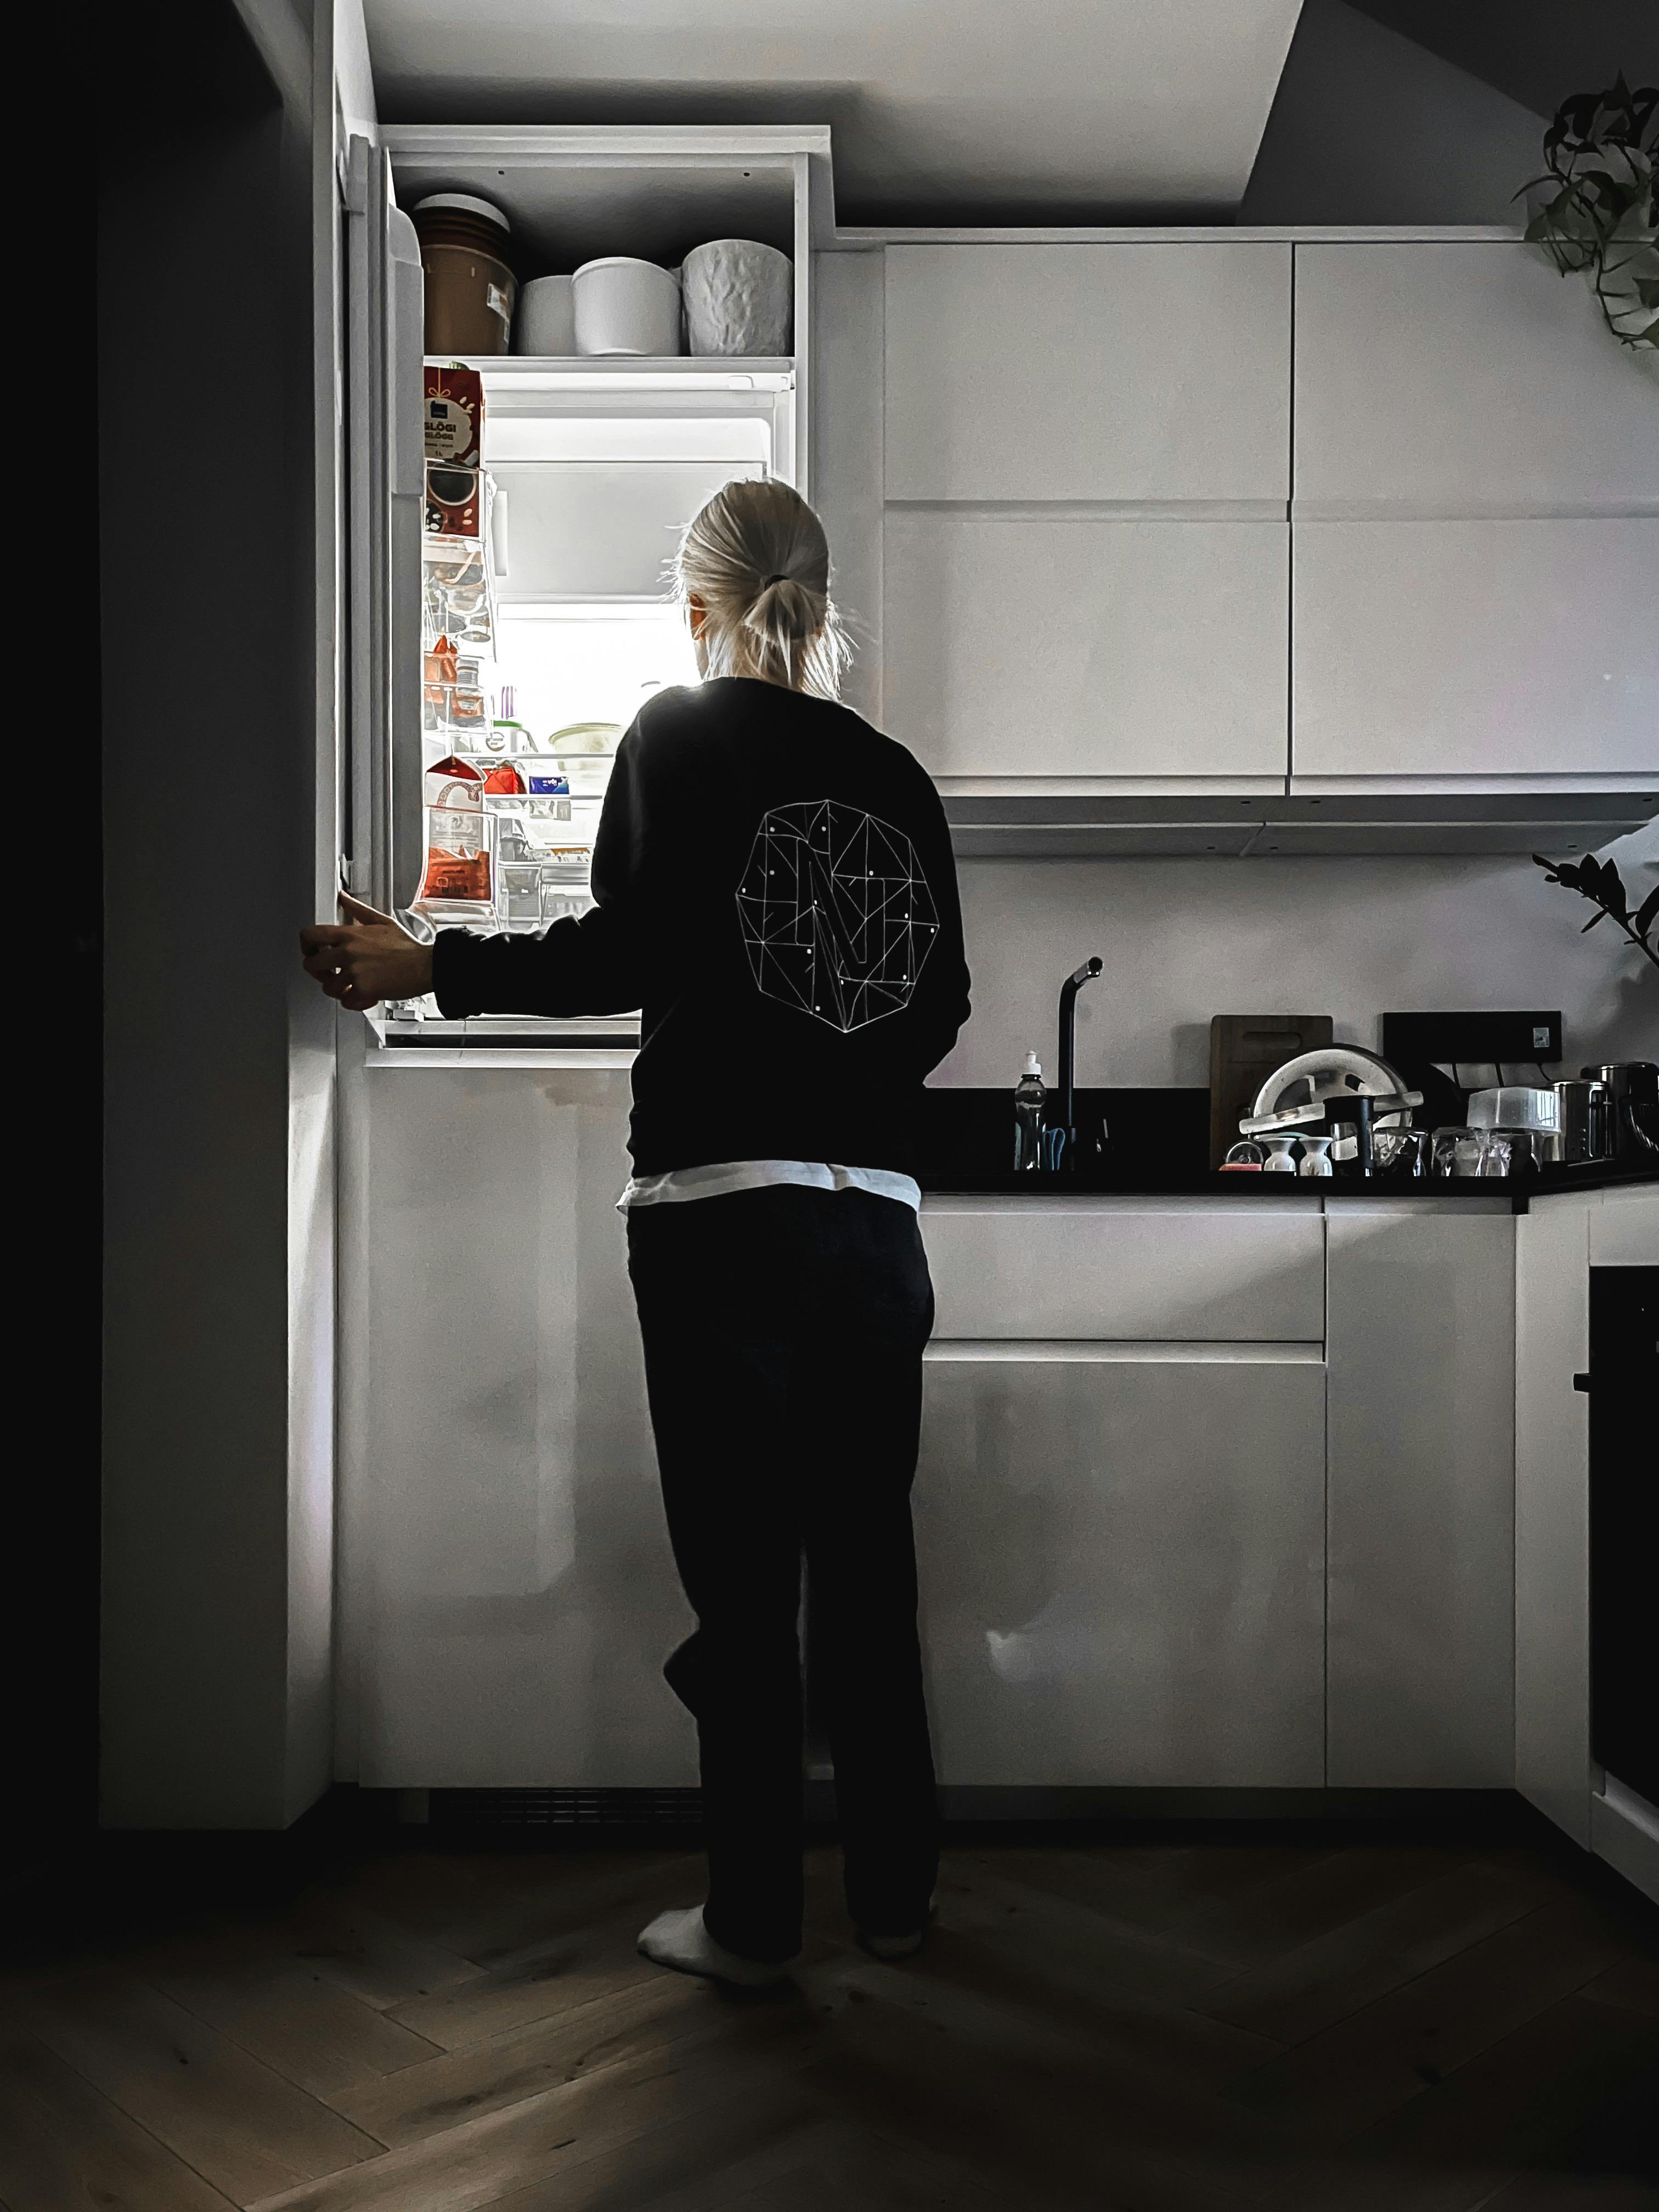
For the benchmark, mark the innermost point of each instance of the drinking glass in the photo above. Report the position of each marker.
(1458, 1152)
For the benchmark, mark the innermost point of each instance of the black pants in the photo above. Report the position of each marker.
(783, 1334)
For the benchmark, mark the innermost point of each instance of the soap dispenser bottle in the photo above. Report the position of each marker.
(1029, 1099)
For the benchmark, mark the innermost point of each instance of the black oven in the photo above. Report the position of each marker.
(1622, 1383)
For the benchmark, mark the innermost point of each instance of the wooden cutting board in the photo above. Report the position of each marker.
(1245, 1050)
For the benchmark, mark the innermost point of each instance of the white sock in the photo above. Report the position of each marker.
(898, 1947)
(679, 1940)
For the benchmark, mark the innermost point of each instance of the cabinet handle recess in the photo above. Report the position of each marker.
(1581, 1381)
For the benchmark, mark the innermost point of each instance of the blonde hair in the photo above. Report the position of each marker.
(756, 557)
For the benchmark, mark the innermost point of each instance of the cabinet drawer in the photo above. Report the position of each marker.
(1123, 1270)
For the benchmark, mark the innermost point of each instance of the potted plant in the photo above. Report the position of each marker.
(1600, 882)
(1597, 205)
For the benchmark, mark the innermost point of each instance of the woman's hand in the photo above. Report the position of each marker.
(367, 957)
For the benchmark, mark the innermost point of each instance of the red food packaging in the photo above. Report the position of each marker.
(454, 503)
(453, 418)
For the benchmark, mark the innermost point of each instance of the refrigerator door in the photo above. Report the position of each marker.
(381, 854)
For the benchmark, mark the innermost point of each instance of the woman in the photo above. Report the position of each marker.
(775, 890)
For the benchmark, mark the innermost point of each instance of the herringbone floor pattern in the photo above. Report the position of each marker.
(1160, 2028)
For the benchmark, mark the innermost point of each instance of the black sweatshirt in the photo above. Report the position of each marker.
(775, 891)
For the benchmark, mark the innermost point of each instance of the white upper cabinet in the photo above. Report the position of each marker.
(1460, 378)
(1475, 525)
(1506, 646)
(1087, 459)
(1084, 645)
(1133, 373)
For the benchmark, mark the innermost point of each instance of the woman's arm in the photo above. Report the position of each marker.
(588, 964)
(582, 965)
(367, 957)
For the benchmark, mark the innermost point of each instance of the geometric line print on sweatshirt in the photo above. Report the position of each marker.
(837, 916)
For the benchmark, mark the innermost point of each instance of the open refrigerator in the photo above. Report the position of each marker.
(511, 608)
(504, 1581)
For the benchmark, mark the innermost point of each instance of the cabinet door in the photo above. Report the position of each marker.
(1552, 1513)
(1123, 1564)
(1421, 1497)
(1082, 645)
(1127, 1269)
(1485, 649)
(1088, 371)
(1463, 377)
(509, 1592)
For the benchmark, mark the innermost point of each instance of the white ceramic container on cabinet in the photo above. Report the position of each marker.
(545, 323)
(739, 298)
(629, 307)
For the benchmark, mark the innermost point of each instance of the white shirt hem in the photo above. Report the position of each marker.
(721, 1177)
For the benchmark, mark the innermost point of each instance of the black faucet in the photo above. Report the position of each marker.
(1063, 1137)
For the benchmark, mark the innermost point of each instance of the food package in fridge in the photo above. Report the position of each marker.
(454, 420)
(459, 595)
(456, 884)
(439, 664)
(455, 501)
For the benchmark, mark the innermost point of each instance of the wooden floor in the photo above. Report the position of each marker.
(1368, 2028)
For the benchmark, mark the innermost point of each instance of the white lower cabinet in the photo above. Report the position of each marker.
(507, 1590)
(1122, 1563)
(1552, 1505)
(1420, 1306)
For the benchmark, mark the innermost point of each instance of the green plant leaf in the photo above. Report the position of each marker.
(1648, 913)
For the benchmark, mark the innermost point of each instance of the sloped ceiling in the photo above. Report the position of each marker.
(966, 110)
(1537, 52)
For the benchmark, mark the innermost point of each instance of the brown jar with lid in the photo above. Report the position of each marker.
(471, 290)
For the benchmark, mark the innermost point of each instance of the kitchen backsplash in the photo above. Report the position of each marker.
(1182, 939)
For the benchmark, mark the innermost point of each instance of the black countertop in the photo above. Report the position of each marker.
(1156, 1144)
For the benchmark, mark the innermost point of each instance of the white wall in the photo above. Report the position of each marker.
(1368, 127)
(218, 1519)
(1183, 939)
(940, 112)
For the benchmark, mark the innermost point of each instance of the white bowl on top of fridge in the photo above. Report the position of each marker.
(627, 307)
(546, 320)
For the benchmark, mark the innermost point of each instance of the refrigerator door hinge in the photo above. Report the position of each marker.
(354, 182)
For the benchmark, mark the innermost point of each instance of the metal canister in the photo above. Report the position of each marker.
(1586, 1122)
